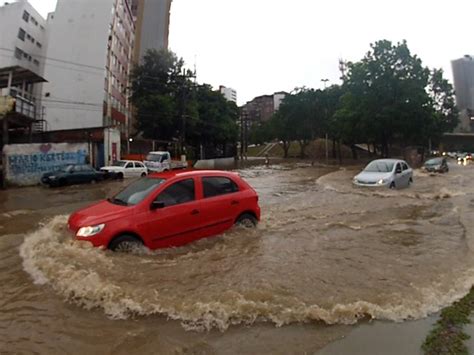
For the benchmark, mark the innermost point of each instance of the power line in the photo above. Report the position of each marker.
(72, 102)
(59, 60)
(62, 67)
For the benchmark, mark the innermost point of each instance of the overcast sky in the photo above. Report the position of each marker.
(262, 46)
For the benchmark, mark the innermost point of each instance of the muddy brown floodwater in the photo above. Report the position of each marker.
(325, 256)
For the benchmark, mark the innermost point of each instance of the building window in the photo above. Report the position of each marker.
(39, 44)
(26, 16)
(36, 62)
(25, 55)
(18, 53)
(21, 34)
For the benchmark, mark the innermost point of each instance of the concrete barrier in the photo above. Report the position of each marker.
(211, 164)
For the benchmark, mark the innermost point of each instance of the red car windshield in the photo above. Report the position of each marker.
(136, 192)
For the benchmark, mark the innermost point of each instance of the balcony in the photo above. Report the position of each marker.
(24, 104)
(20, 113)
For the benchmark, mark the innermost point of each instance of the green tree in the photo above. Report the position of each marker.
(162, 95)
(170, 106)
(391, 97)
(282, 128)
(260, 133)
(445, 112)
(217, 119)
(332, 102)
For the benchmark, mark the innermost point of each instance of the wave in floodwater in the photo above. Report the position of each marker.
(318, 255)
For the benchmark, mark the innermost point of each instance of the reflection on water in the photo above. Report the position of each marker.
(325, 253)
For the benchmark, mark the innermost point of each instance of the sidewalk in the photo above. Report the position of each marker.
(469, 330)
(385, 338)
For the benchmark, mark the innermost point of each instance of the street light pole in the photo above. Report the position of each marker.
(324, 81)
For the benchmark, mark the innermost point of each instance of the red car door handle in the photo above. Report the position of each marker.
(234, 202)
(194, 212)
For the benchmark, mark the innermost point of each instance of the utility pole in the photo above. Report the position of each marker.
(242, 133)
(182, 136)
(325, 116)
(245, 134)
(343, 68)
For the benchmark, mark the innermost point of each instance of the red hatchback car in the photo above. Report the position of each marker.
(168, 209)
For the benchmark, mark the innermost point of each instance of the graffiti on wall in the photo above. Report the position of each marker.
(26, 163)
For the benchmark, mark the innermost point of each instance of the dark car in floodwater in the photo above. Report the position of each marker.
(436, 165)
(72, 174)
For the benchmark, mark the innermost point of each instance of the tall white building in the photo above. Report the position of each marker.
(89, 60)
(463, 74)
(278, 98)
(229, 93)
(152, 25)
(23, 41)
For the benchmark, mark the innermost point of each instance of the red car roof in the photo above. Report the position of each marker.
(184, 173)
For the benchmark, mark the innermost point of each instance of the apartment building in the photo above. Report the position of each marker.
(23, 43)
(262, 108)
(89, 59)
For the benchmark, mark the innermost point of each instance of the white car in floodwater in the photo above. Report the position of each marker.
(126, 169)
(392, 173)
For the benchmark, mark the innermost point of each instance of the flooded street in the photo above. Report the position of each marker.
(325, 256)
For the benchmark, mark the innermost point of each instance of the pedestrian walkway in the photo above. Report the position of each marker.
(383, 338)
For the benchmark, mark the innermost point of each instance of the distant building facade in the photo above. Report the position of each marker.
(152, 25)
(463, 74)
(262, 108)
(93, 41)
(23, 42)
(229, 93)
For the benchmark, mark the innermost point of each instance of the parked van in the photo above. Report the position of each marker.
(161, 161)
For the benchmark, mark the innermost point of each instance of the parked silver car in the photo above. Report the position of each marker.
(392, 173)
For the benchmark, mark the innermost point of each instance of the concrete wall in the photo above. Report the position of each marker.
(78, 33)
(24, 164)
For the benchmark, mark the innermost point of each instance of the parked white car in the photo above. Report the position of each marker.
(126, 169)
(392, 173)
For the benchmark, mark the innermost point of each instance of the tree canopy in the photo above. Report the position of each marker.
(387, 97)
(171, 107)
